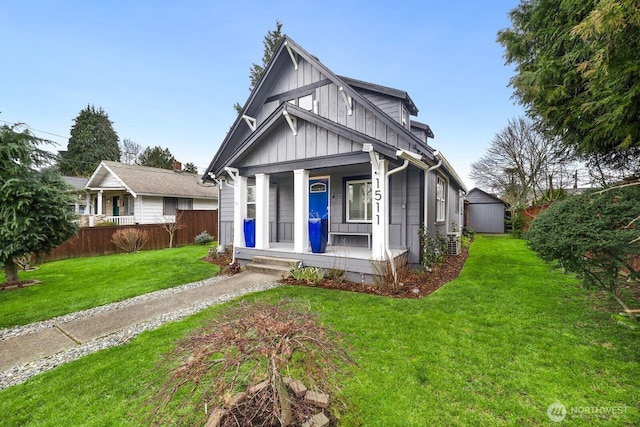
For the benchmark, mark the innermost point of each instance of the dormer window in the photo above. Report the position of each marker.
(405, 117)
(305, 102)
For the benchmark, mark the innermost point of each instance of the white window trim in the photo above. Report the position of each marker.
(251, 198)
(441, 199)
(361, 221)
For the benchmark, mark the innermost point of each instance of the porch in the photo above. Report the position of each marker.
(355, 261)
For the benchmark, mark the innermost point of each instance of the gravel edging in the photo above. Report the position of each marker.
(21, 373)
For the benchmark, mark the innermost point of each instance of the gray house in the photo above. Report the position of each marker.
(485, 212)
(310, 143)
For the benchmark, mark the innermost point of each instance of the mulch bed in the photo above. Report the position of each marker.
(415, 283)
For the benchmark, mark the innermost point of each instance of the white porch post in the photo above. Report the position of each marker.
(239, 210)
(380, 206)
(262, 211)
(300, 210)
(100, 202)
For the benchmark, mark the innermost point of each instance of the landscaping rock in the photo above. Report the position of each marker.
(296, 386)
(318, 420)
(316, 398)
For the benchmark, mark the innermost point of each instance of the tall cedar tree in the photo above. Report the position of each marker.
(92, 140)
(156, 157)
(577, 68)
(34, 204)
(271, 41)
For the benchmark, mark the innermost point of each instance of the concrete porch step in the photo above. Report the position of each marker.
(272, 265)
(270, 260)
(274, 270)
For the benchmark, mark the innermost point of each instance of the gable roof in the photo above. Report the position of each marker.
(231, 145)
(77, 182)
(143, 180)
(483, 197)
(396, 93)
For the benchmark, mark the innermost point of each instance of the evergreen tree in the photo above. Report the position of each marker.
(577, 68)
(92, 140)
(34, 204)
(157, 157)
(271, 41)
(190, 168)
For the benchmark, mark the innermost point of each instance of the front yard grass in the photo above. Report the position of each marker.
(81, 283)
(497, 346)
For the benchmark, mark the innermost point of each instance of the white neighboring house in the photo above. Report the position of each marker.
(132, 194)
(81, 198)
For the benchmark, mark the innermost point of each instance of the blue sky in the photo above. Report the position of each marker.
(168, 73)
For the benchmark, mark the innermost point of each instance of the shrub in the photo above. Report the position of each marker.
(386, 273)
(204, 238)
(336, 274)
(311, 275)
(249, 344)
(516, 223)
(595, 235)
(434, 249)
(130, 240)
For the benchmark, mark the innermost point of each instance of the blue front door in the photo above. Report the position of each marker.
(319, 198)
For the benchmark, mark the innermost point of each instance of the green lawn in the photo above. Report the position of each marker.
(495, 347)
(81, 283)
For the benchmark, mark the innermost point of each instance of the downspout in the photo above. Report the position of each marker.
(426, 172)
(386, 226)
(233, 174)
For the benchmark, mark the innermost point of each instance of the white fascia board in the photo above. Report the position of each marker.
(452, 171)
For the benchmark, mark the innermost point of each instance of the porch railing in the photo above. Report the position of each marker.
(121, 220)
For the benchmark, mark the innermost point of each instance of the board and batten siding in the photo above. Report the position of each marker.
(389, 105)
(310, 142)
(225, 215)
(486, 213)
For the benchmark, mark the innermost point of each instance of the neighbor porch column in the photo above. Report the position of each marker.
(100, 202)
(262, 211)
(380, 206)
(300, 210)
(239, 210)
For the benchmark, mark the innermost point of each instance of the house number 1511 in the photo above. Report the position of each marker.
(377, 196)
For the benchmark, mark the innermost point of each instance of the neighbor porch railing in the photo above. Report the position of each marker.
(120, 220)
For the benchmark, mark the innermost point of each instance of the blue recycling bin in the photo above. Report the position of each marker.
(250, 233)
(318, 234)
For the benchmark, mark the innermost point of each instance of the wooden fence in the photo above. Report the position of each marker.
(95, 241)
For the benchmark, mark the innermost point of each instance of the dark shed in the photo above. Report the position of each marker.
(485, 212)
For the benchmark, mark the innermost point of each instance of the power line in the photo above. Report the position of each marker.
(34, 129)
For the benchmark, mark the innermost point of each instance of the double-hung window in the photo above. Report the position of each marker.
(170, 204)
(359, 206)
(441, 202)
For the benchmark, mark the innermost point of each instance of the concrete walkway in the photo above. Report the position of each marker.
(16, 351)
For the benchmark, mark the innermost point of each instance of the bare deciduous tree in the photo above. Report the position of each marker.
(522, 164)
(129, 151)
(172, 227)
